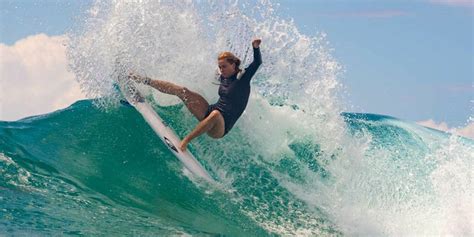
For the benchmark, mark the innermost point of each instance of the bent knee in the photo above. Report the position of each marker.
(217, 119)
(215, 113)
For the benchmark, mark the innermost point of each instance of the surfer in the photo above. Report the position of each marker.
(216, 119)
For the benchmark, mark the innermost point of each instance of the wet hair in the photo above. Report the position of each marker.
(230, 58)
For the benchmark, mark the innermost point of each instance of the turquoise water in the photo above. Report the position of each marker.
(293, 165)
(85, 171)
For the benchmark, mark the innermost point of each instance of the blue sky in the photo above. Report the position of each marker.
(408, 59)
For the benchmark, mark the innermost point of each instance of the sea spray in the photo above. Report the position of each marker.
(291, 166)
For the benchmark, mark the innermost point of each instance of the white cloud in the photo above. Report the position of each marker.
(467, 131)
(34, 77)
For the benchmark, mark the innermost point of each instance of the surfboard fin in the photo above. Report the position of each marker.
(124, 102)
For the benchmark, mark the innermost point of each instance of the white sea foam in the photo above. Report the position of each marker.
(417, 186)
(12, 173)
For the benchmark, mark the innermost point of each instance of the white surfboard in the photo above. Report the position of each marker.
(165, 133)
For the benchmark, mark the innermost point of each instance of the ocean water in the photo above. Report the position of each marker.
(85, 171)
(295, 164)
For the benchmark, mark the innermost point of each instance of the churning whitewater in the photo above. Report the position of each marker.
(294, 164)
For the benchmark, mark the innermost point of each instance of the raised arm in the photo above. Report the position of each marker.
(257, 61)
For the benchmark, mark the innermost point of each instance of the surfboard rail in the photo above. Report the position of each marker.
(161, 129)
(171, 140)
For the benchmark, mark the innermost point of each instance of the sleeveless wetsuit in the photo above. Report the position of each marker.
(234, 93)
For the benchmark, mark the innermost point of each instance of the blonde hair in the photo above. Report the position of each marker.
(230, 58)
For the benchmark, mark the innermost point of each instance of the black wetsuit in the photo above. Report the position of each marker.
(234, 93)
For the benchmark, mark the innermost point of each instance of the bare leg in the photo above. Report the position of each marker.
(212, 124)
(195, 103)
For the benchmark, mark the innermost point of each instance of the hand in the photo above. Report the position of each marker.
(256, 43)
(183, 145)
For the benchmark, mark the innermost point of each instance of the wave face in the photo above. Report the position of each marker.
(85, 171)
(293, 165)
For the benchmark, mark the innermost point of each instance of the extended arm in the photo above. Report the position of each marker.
(257, 61)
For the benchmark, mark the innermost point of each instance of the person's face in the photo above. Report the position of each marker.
(227, 69)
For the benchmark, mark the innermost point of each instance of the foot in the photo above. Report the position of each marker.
(139, 79)
(183, 145)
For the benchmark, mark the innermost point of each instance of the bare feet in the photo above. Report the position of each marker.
(138, 79)
(133, 76)
(183, 145)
